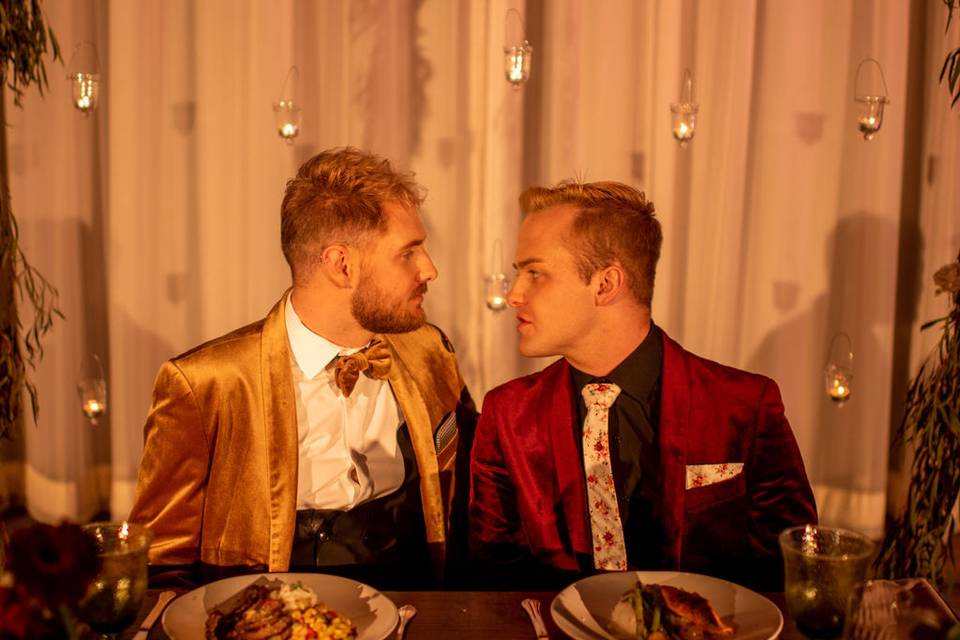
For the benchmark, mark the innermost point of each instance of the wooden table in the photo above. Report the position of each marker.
(472, 614)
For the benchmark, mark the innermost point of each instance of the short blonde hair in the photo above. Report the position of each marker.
(614, 223)
(337, 197)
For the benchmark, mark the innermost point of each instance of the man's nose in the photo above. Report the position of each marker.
(428, 270)
(515, 295)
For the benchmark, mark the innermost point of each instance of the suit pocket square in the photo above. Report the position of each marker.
(701, 475)
(446, 433)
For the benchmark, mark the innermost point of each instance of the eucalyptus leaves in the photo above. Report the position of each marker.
(918, 544)
(24, 41)
(951, 64)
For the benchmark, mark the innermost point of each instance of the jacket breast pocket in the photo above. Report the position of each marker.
(715, 494)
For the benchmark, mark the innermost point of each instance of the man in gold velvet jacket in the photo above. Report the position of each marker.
(265, 448)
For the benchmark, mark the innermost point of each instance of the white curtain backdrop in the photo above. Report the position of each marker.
(157, 217)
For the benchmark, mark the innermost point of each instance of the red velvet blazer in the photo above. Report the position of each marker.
(528, 489)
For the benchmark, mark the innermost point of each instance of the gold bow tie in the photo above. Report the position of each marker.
(373, 360)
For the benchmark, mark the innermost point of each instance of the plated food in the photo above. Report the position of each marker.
(585, 609)
(277, 609)
(664, 612)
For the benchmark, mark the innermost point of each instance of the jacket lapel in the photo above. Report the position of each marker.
(674, 422)
(280, 434)
(555, 416)
(416, 414)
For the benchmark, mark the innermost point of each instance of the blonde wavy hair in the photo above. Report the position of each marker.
(337, 197)
(615, 224)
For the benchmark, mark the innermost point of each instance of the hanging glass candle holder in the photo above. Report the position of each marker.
(92, 389)
(516, 56)
(683, 122)
(84, 75)
(287, 112)
(498, 283)
(870, 113)
(838, 374)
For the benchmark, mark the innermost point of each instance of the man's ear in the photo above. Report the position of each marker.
(610, 284)
(339, 263)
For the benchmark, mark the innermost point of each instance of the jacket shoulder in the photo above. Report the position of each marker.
(528, 387)
(240, 345)
(723, 380)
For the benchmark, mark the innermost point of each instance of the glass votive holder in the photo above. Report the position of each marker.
(498, 287)
(116, 594)
(822, 566)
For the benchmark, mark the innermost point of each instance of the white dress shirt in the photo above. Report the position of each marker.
(348, 450)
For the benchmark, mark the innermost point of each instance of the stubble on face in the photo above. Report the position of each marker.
(381, 311)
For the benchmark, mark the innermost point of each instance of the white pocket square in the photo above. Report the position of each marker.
(700, 475)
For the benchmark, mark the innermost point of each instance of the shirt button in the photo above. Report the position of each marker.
(323, 536)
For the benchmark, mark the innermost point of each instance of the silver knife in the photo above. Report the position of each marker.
(162, 601)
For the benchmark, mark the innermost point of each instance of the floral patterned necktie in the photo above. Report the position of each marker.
(609, 549)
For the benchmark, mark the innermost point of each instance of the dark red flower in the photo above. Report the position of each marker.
(55, 564)
(21, 617)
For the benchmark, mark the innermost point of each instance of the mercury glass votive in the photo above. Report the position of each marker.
(683, 121)
(287, 115)
(498, 286)
(86, 90)
(822, 566)
(517, 63)
(870, 118)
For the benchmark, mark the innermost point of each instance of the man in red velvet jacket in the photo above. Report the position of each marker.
(629, 452)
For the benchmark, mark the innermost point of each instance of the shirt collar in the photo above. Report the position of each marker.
(639, 372)
(311, 351)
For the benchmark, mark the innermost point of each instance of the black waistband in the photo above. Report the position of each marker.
(381, 542)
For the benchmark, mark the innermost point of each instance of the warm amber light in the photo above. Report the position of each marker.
(839, 390)
(498, 286)
(496, 303)
(85, 90)
(517, 63)
(93, 409)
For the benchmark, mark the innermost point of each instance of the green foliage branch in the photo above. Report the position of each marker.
(24, 41)
(919, 542)
(951, 64)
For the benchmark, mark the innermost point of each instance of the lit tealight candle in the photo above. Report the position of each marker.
(683, 132)
(496, 303)
(518, 63)
(93, 408)
(516, 69)
(289, 131)
(869, 125)
(839, 390)
(85, 92)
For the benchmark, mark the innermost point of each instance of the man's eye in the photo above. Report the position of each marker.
(534, 274)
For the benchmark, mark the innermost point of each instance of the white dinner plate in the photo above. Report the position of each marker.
(582, 610)
(374, 614)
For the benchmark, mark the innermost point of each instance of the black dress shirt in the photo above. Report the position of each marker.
(634, 422)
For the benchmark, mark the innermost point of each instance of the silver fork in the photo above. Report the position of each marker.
(406, 612)
(532, 607)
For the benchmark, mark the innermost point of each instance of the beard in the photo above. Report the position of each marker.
(378, 311)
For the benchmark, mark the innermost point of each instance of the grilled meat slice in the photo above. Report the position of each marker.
(688, 612)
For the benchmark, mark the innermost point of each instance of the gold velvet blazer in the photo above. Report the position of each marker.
(218, 479)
